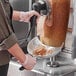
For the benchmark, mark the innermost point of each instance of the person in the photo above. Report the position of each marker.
(8, 40)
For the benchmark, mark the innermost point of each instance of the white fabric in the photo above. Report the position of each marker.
(29, 62)
(24, 16)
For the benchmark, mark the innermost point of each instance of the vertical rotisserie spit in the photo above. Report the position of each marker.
(58, 19)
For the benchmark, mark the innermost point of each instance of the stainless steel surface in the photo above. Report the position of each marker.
(14, 71)
(41, 69)
(61, 70)
(74, 31)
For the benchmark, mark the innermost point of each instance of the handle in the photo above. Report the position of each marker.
(33, 24)
(33, 21)
(21, 68)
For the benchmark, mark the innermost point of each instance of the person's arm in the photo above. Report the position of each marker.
(16, 15)
(27, 61)
(17, 52)
(24, 16)
(8, 41)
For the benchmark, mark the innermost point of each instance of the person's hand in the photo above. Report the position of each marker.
(25, 16)
(29, 62)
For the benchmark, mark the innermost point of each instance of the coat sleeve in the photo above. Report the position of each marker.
(7, 37)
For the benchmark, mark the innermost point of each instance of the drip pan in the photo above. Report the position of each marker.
(35, 43)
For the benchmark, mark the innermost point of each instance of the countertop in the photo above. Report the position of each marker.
(41, 67)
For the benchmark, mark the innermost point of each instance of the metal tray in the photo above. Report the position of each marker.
(35, 43)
